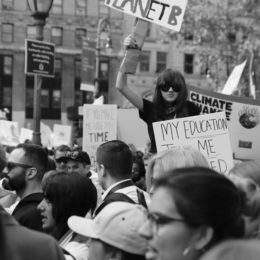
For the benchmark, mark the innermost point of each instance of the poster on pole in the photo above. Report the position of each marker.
(9, 133)
(99, 126)
(207, 133)
(243, 118)
(62, 135)
(88, 64)
(166, 13)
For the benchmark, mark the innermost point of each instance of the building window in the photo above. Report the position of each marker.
(7, 4)
(50, 94)
(6, 81)
(188, 63)
(56, 35)
(145, 61)
(31, 32)
(103, 10)
(79, 33)
(161, 62)
(7, 32)
(81, 7)
(57, 7)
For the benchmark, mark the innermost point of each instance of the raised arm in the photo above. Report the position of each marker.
(121, 81)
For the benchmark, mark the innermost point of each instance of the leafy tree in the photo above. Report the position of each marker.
(222, 32)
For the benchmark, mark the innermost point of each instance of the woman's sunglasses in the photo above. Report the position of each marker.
(166, 87)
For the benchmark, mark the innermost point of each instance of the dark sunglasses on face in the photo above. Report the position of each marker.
(11, 165)
(166, 87)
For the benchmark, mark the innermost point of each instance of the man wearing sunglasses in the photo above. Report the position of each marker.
(25, 168)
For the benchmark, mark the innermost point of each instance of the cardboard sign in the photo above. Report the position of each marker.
(46, 135)
(243, 117)
(233, 80)
(127, 118)
(99, 126)
(39, 58)
(207, 133)
(167, 13)
(25, 134)
(88, 64)
(62, 135)
(9, 133)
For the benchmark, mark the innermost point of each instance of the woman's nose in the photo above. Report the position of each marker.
(41, 205)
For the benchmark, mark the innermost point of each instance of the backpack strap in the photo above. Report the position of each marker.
(117, 196)
(141, 198)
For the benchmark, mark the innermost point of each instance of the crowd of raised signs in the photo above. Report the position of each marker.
(130, 205)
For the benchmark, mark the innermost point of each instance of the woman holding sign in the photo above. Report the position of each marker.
(169, 101)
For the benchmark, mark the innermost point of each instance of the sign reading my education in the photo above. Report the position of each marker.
(99, 126)
(39, 58)
(167, 13)
(88, 64)
(207, 133)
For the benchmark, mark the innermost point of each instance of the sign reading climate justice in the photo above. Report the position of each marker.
(99, 126)
(207, 133)
(167, 13)
(39, 58)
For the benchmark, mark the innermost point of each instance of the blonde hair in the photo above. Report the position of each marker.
(235, 250)
(168, 160)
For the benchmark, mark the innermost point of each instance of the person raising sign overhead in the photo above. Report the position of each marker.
(169, 100)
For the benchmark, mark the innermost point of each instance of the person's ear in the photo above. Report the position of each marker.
(102, 170)
(31, 173)
(203, 237)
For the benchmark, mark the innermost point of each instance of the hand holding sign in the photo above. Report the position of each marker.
(134, 44)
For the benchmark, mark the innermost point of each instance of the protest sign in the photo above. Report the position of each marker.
(9, 133)
(243, 117)
(62, 135)
(25, 134)
(127, 118)
(233, 80)
(207, 133)
(167, 13)
(88, 64)
(46, 135)
(99, 126)
(39, 58)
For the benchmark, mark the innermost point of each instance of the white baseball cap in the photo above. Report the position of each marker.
(118, 225)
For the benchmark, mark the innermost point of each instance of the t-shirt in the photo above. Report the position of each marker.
(148, 115)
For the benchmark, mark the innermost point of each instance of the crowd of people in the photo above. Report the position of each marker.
(131, 205)
(175, 208)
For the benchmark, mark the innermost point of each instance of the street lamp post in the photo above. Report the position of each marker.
(40, 11)
(101, 23)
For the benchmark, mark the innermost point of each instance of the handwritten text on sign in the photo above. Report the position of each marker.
(99, 126)
(167, 13)
(206, 133)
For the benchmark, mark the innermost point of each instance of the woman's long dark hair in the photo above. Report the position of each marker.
(169, 77)
(70, 194)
